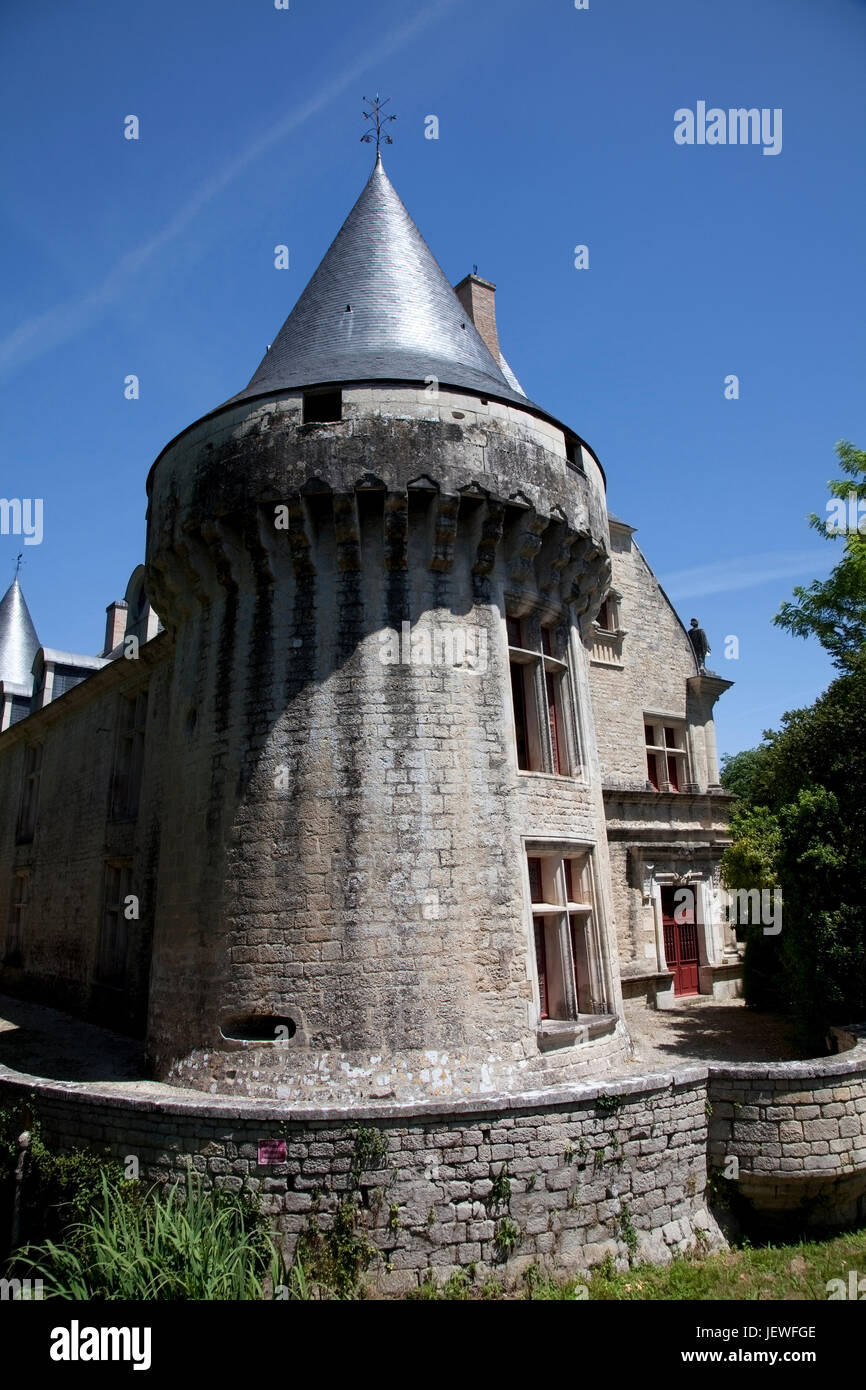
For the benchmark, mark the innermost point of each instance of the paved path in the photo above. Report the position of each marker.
(700, 1029)
(44, 1042)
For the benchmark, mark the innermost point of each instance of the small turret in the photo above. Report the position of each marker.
(18, 640)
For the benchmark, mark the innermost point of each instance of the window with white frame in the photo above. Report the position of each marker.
(666, 755)
(566, 958)
(129, 756)
(114, 937)
(541, 697)
(15, 921)
(29, 793)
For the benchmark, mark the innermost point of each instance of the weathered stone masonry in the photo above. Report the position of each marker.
(591, 1170)
(583, 1166)
(426, 878)
(340, 794)
(403, 893)
(798, 1133)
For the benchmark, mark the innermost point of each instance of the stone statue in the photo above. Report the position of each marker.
(700, 645)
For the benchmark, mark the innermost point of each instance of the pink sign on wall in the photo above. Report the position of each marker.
(272, 1151)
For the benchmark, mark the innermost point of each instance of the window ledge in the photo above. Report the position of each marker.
(567, 1032)
(553, 776)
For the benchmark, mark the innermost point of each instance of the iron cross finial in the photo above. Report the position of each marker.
(381, 121)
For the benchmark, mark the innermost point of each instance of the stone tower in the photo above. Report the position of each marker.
(383, 866)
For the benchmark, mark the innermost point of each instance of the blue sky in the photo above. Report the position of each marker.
(155, 257)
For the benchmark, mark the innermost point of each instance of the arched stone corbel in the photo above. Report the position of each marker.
(294, 524)
(527, 544)
(347, 532)
(396, 531)
(556, 556)
(229, 556)
(491, 535)
(445, 513)
(195, 557)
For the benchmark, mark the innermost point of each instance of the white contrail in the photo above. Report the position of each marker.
(745, 572)
(45, 331)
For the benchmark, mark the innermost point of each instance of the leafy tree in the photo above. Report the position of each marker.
(752, 861)
(801, 820)
(743, 773)
(834, 609)
(800, 817)
(823, 935)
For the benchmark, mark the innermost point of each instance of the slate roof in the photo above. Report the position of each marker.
(379, 307)
(18, 641)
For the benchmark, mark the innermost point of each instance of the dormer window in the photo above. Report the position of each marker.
(608, 618)
(322, 407)
(574, 457)
(608, 632)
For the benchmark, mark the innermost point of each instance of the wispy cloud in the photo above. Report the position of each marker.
(45, 331)
(745, 572)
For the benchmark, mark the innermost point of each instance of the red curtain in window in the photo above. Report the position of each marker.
(541, 965)
(553, 720)
(518, 697)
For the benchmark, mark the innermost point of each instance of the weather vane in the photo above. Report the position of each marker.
(381, 121)
(18, 563)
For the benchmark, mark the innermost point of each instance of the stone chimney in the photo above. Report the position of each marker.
(115, 624)
(478, 298)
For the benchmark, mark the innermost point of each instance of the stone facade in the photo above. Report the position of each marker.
(369, 819)
(796, 1133)
(643, 676)
(290, 773)
(561, 1178)
(83, 827)
(369, 799)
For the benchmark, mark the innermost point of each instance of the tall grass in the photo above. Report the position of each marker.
(187, 1244)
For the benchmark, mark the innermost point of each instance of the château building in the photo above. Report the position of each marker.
(398, 794)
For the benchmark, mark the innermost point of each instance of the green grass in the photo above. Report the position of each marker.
(772, 1272)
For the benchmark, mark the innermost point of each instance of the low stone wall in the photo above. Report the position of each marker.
(560, 1178)
(792, 1135)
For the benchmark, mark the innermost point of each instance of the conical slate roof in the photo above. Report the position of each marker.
(379, 307)
(18, 641)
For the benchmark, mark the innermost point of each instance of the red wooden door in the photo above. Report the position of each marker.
(681, 939)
